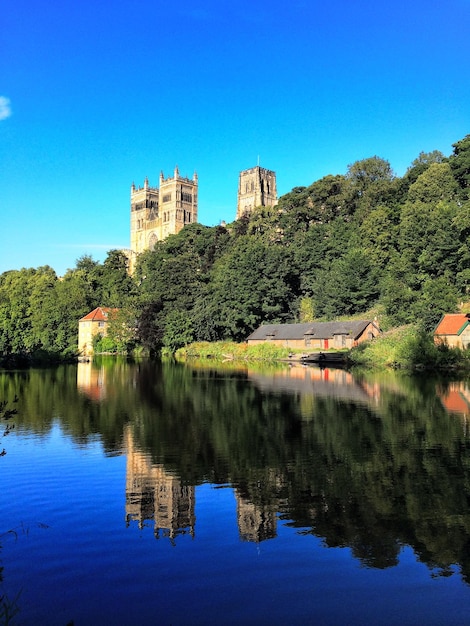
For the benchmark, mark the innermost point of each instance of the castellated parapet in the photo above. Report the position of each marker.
(256, 187)
(159, 212)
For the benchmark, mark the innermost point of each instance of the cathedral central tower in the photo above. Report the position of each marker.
(256, 187)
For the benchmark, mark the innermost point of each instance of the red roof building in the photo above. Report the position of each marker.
(454, 330)
(93, 323)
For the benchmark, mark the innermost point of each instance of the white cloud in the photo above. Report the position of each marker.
(5, 108)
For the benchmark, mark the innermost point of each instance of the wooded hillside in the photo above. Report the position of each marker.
(342, 246)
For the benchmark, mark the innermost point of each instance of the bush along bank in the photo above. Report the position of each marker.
(409, 347)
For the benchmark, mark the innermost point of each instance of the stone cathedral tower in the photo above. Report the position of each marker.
(159, 212)
(256, 187)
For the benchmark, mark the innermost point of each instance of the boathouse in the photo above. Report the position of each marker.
(316, 335)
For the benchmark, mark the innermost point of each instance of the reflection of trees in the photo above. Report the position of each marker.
(50, 395)
(377, 466)
(370, 476)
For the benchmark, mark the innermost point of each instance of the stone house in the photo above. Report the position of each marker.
(316, 335)
(94, 323)
(454, 330)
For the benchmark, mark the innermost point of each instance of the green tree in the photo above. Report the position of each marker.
(378, 234)
(460, 163)
(350, 286)
(438, 296)
(116, 286)
(371, 182)
(122, 328)
(254, 282)
(178, 330)
(434, 184)
(421, 164)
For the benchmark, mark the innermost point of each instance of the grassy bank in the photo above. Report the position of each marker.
(228, 350)
(409, 347)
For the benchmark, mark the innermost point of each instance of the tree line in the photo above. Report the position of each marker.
(346, 245)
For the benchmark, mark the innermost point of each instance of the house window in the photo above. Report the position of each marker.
(101, 324)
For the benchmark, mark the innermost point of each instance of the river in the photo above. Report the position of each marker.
(163, 493)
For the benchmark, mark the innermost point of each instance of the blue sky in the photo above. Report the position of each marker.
(96, 95)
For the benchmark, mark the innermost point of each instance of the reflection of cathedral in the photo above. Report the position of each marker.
(255, 523)
(154, 494)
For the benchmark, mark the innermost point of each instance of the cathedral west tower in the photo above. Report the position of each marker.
(159, 212)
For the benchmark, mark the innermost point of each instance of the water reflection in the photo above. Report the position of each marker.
(155, 495)
(455, 397)
(373, 462)
(255, 522)
(316, 381)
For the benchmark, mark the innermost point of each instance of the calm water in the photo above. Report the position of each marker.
(167, 494)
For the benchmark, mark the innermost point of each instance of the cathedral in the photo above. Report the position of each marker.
(256, 187)
(157, 212)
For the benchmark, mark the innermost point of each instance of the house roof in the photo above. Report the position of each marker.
(452, 324)
(100, 314)
(317, 330)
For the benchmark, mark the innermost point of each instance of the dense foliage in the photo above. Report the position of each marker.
(340, 247)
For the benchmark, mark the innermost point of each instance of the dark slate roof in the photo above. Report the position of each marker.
(317, 330)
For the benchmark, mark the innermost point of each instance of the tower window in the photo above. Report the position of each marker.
(167, 197)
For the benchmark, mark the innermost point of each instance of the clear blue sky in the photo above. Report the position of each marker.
(97, 94)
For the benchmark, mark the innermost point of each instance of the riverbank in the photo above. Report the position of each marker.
(409, 347)
(406, 347)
